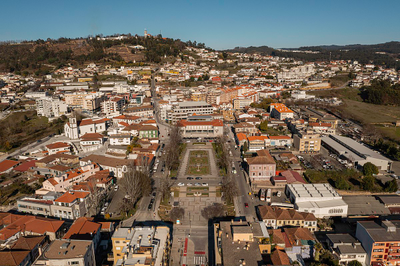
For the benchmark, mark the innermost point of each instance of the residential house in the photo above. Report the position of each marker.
(117, 167)
(148, 131)
(275, 217)
(13, 226)
(65, 252)
(346, 248)
(280, 111)
(70, 205)
(58, 147)
(7, 166)
(85, 228)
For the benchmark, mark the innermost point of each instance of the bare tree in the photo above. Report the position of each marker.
(213, 211)
(172, 148)
(229, 186)
(176, 213)
(135, 184)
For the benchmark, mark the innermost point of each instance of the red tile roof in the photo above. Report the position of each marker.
(83, 229)
(7, 164)
(27, 223)
(241, 136)
(57, 145)
(25, 166)
(215, 122)
(69, 197)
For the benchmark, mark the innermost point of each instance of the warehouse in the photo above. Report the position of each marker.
(355, 152)
(320, 199)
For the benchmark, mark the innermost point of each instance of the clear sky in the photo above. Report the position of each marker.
(220, 24)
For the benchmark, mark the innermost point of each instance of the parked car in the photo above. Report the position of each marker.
(205, 184)
(246, 205)
(199, 178)
(181, 184)
(189, 184)
(197, 184)
(189, 178)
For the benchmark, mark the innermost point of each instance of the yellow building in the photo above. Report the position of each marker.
(198, 96)
(86, 79)
(307, 142)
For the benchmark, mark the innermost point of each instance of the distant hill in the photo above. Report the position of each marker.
(381, 54)
(41, 57)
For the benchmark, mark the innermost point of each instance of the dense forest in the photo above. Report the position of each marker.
(40, 56)
(381, 92)
(386, 56)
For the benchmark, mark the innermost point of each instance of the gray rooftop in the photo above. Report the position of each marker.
(194, 104)
(364, 205)
(351, 148)
(379, 233)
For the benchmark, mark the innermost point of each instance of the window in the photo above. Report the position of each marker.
(74, 262)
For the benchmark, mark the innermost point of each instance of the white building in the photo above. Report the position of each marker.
(201, 129)
(120, 139)
(112, 106)
(185, 109)
(320, 199)
(49, 107)
(74, 129)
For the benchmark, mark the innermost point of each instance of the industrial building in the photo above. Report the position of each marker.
(320, 199)
(355, 152)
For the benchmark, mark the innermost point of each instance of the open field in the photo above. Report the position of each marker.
(21, 128)
(371, 113)
(346, 93)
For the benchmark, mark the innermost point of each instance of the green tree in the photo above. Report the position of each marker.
(354, 263)
(263, 125)
(342, 184)
(368, 183)
(245, 147)
(318, 248)
(370, 169)
(391, 186)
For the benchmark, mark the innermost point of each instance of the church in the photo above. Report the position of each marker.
(75, 129)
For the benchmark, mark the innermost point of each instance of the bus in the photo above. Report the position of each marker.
(268, 196)
(283, 205)
(262, 194)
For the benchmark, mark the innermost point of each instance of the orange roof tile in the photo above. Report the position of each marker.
(7, 164)
(69, 197)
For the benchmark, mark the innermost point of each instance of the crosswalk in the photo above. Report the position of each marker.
(199, 260)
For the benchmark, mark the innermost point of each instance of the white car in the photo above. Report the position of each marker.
(189, 184)
(197, 185)
(181, 184)
(205, 184)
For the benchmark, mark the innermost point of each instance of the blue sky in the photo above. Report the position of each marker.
(220, 24)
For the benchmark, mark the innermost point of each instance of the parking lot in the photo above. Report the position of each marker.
(323, 161)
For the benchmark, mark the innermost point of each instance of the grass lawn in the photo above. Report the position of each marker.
(203, 170)
(198, 163)
(391, 132)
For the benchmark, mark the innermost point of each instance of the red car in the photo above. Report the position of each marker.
(246, 205)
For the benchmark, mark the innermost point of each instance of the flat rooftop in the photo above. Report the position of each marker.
(193, 103)
(361, 205)
(351, 148)
(313, 191)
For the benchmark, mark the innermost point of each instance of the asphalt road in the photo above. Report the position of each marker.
(243, 187)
